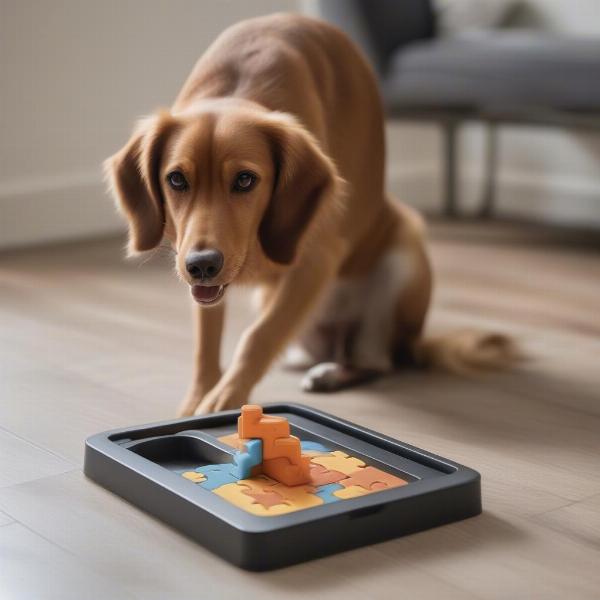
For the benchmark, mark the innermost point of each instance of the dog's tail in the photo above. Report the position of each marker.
(467, 351)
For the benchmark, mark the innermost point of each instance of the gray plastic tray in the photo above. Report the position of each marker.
(143, 464)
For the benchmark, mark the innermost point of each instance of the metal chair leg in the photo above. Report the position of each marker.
(450, 167)
(488, 196)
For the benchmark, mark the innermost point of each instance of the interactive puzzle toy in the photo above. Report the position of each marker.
(269, 487)
(274, 473)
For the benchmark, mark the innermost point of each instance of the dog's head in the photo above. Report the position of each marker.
(229, 187)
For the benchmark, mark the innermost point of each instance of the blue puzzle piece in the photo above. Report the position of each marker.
(325, 492)
(244, 461)
(308, 446)
(217, 475)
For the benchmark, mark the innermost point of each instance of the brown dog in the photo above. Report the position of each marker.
(269, 170)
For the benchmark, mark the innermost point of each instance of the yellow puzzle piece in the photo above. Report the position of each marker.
(232, 440)
(293, 498)
(352, 491)
(339, 461)
(194, 476)
(299, 496)
(259, 483)
(234, 493)
(313, 453)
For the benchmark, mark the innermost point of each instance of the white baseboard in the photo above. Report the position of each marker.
(56, 209)
(550, 198)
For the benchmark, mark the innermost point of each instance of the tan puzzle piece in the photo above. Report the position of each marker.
(259, 483)
(234, 493)
(353, 491)
(373, 479)
(319, 475)
(194, 476)
(339, 461)
(232, 440)
(299, 496)
(313, 453)
(267, 498)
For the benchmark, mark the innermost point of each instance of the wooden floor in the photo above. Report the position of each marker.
(89, 342)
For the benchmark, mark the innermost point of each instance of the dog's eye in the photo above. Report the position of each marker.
(177, 181)
(244, 181)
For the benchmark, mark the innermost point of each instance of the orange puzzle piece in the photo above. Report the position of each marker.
(319, 475)
(372, 479)
(282, 453)
(266, 498)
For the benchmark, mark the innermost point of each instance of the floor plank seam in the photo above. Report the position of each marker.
(592, 497)
(75, 469)
(534, 516)
(38, 447)
(75, 557)
(8, 522)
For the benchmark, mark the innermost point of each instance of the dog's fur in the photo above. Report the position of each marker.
(342, 268)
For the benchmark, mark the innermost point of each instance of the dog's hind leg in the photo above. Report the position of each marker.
(334, 376)
(311, 348)
(396, 299)
(365, 352)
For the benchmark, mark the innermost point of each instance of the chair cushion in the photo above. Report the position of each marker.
(496, 70)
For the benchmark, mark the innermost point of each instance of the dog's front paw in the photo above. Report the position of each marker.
(190, 402)
(194, 397)
(221, 398)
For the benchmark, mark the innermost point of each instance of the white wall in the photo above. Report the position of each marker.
(575, 16)
(74, 74)
(545, 173)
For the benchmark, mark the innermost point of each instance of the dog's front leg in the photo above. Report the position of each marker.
(208, 325)
(289, 303)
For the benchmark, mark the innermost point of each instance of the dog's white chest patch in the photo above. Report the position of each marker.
(355, 319)
(347, 300)
(343, 302)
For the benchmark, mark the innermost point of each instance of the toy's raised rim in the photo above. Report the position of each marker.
(108, 444)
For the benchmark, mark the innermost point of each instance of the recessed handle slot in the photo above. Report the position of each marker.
(365, 512)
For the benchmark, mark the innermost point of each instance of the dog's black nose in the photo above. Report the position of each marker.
(204, 264)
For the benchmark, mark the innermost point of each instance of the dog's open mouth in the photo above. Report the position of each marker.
(208, 294)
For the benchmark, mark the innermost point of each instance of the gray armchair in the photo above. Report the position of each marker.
(500, 76)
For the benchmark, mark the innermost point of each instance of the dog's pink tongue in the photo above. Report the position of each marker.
(205, 293)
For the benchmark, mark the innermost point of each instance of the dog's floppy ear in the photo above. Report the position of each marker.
(135, 178)
(306, 183)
